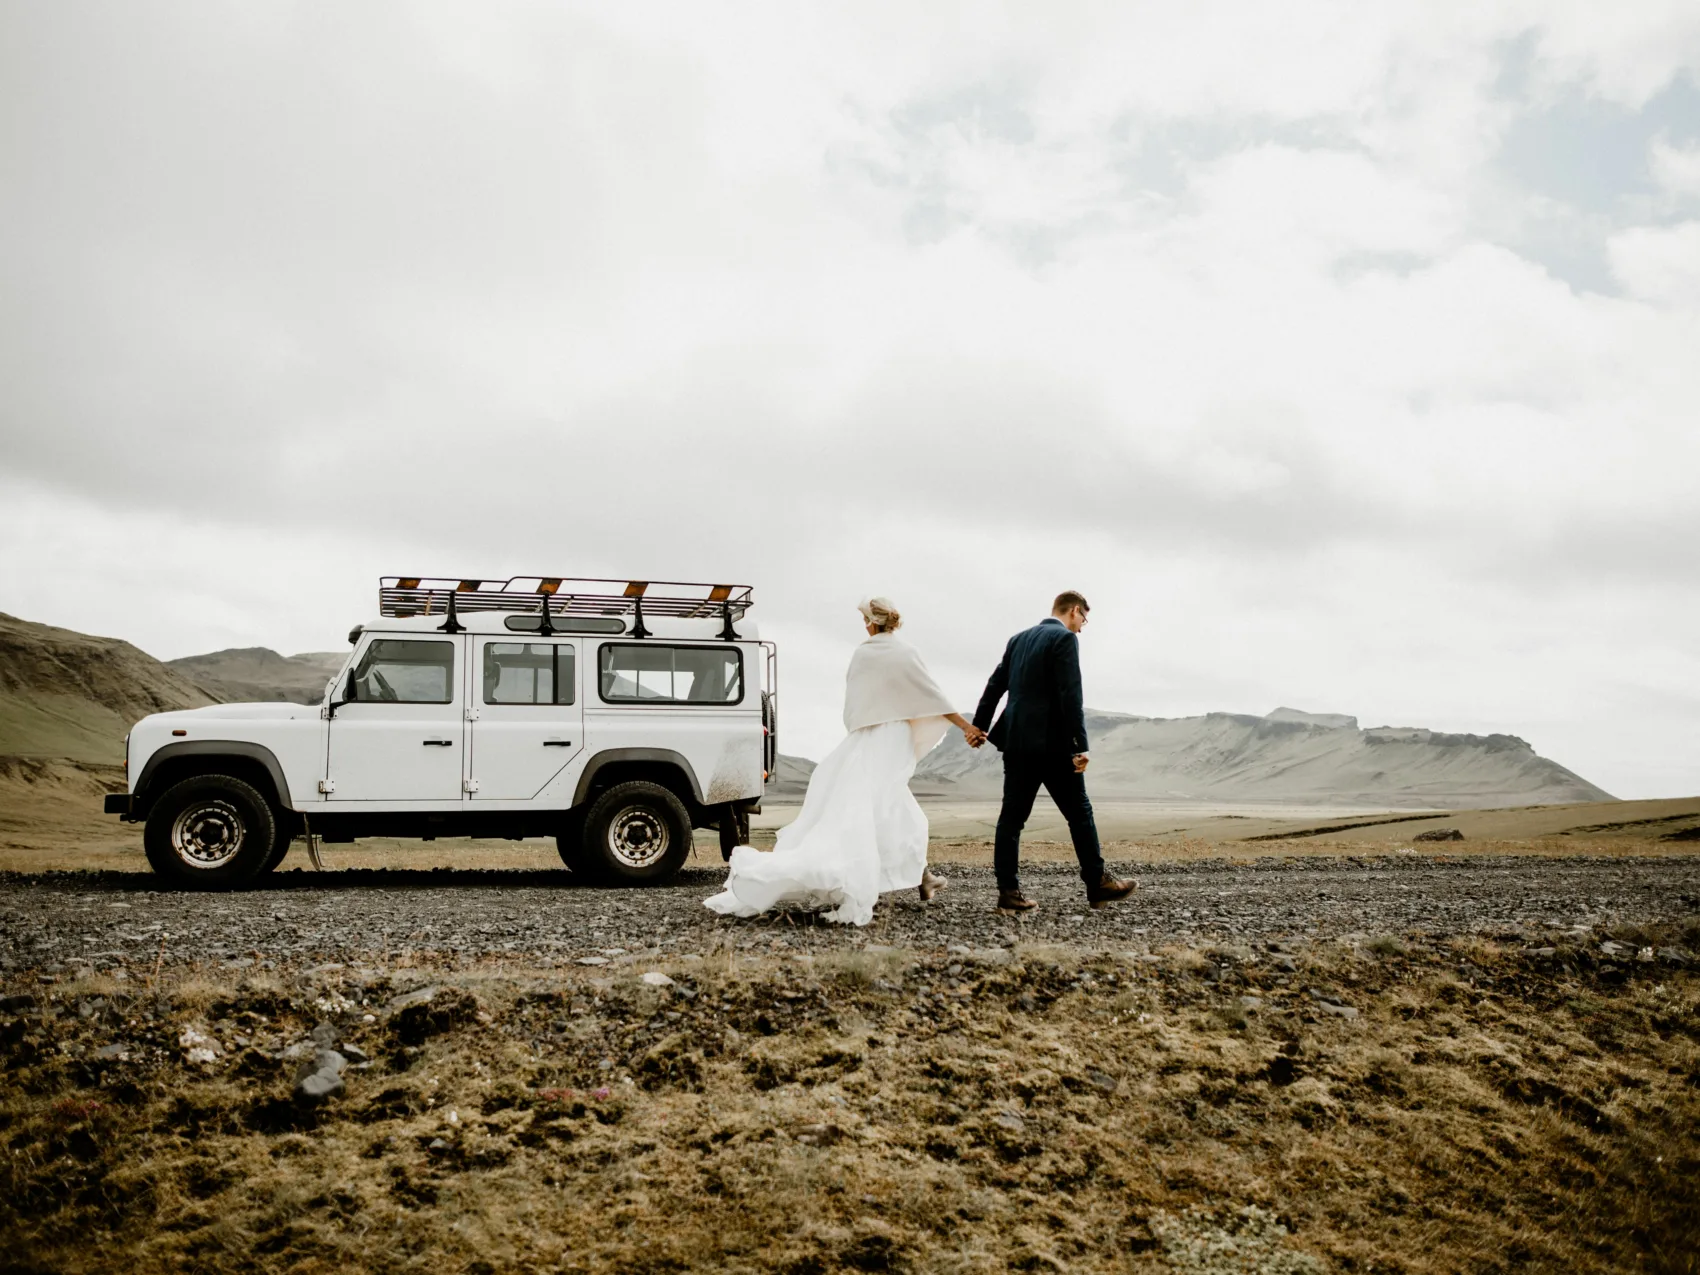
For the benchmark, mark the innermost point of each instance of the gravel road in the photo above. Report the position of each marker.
(62, 924)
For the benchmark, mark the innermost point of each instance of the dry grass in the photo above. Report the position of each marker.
(879, 1109)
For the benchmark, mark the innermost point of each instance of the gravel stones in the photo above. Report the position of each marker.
(342, 919)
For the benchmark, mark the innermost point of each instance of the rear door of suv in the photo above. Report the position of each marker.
(527, 715)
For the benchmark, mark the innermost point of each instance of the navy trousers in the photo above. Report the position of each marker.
(1022, 776)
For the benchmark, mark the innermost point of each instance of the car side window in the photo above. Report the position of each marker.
(529, 673)
(403, 671)
(654, 673)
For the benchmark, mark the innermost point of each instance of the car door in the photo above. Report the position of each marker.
(399, 737)
(527, 715)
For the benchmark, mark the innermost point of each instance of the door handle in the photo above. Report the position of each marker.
(557, 743)
(438, 743)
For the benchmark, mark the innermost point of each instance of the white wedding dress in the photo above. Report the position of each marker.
(861, 831)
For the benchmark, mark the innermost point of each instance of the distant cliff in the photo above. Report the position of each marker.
(1287, 756)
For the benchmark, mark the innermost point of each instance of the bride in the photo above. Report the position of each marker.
(861, 831)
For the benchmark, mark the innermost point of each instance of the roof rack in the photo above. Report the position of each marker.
(552, 596)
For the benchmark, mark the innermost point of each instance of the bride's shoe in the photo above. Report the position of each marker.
(930, 884)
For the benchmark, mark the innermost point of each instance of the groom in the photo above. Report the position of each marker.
(1042, 735)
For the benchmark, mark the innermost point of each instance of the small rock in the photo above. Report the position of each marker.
(417, 996)
(354, 1054)
(655, 978)
(317, 1086)
(117, 1051)
(1102, 1080)
(325, 1035)
(198, 1048)
(1011, 1119)
(1678, 956)
(1251, 1002)
(320, 1077)
(593, 960)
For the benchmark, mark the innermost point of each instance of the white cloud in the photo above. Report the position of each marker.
(1659, 263)
(1675, 168)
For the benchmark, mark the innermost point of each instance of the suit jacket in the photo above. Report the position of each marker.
(1041, 672)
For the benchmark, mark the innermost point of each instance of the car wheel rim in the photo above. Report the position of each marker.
(637, 837)
(208, 834)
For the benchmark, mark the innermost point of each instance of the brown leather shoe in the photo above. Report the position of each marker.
(1109, 890)
(931, 884)
(1014, 903)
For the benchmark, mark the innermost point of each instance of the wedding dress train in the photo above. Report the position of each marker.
(860, 833)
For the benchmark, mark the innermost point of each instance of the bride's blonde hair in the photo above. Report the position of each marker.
(882, 613)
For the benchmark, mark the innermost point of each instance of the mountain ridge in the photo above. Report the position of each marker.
(1286, 756)
(249, 674)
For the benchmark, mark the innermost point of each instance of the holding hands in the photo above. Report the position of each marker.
(974, 735)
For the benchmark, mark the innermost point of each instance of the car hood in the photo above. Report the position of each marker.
(272, 711)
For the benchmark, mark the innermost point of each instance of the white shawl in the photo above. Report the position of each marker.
(887, 682)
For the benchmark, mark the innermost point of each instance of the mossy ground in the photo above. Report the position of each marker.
(1044, 1109)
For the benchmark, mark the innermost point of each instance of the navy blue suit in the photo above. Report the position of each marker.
(1039, 734)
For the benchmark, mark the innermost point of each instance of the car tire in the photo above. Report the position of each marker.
(211, 832)
(636, 833)
(569, 843)
(280, 847)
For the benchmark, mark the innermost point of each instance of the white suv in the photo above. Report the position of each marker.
(614, 716)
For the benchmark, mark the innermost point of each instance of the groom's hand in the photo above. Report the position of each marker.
(1081, 760)
(975, 736)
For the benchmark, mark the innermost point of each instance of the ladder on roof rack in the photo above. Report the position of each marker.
(403, 596)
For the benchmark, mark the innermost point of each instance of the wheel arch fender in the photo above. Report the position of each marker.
(170, 762)
(647, 757)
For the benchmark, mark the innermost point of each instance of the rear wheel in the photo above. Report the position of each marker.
(636, 833)
(211, 832)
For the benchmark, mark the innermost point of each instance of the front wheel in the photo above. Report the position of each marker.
(636, 833)
(210, 832)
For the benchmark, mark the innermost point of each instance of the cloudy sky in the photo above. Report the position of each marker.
(1343, 354)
